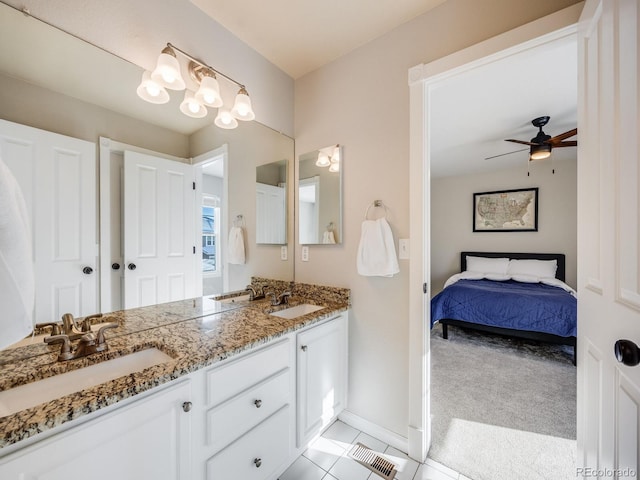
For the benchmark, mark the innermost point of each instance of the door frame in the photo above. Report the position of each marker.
(422, 79)
(107, 148)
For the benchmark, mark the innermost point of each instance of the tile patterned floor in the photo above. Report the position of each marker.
(327, 459)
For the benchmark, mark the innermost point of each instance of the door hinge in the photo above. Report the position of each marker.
(424, 287)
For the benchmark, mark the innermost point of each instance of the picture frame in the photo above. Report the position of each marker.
(506, 211)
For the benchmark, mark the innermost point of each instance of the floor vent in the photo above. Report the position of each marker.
(374, 462)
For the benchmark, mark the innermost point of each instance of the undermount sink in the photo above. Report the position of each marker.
(50, 388)
(239, 298)
(297, 311)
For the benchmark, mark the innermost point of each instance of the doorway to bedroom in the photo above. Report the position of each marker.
(502, 408)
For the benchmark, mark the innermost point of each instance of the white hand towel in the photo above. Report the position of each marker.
(16, 265)
(328, 237)
(235, 250)
(377, 251)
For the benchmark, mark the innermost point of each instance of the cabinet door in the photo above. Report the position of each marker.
(149, 438)
(322, 374)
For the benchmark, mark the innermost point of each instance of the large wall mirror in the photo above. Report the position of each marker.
(320, 196)
(92, 93)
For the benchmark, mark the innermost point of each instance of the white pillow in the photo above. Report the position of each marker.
(534, 268)
(487, 265)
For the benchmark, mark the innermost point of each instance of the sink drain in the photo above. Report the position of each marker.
(374, 462)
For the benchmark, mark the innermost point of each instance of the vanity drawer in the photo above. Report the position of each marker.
(229, 380)
(232, 418)
(257, 455)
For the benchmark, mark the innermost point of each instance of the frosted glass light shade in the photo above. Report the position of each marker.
(225, 119)
(323, 160)
(167, 72)
(192, 107)
(242, 109)
(151, 91)
(209, 92)
(539, 152)
(335, 156)
(334, 167)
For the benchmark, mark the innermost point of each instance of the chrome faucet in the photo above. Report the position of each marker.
(282, 299)
(254, 293)
(89, 343)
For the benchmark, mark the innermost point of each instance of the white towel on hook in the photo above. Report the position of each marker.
(16, 264)
(235, 250)
(377, 251)
(328, 237)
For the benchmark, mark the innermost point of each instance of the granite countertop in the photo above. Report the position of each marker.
(196, 333)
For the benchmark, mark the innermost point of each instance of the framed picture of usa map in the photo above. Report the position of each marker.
(506, 211)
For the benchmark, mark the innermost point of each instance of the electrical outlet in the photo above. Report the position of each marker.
(283, 252)
(305, 253)
(403, 247)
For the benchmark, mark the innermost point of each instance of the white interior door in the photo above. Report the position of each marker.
(57, 175)
(608, 239)
(270, 214)
(159, 231)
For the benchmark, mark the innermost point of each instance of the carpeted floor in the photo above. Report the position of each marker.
(502, 409)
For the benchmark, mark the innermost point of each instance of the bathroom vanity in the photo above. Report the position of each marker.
(243, 393)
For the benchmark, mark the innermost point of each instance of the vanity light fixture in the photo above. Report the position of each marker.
(167, 75)
(329, 157)
(323, 159)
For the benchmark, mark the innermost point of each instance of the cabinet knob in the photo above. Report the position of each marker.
(115, 266)
(627, 352)
(258, 403)
(303, 348)
(131, 266)
(186, 406)
(257, 462)
(87, 270)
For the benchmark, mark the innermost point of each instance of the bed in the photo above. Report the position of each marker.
(496, 302)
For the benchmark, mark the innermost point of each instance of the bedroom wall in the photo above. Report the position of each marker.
(361, 101)
(451, 217)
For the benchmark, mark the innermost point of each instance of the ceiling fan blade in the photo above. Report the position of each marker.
(508, 153)
(562, 136)
(570, 143)
(520, 141)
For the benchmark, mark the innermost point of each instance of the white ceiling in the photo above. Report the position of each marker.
(474, 112)
(301, 36)
(471, 115)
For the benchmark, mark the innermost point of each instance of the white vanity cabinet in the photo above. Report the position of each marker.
(321, 376)
(147, 438)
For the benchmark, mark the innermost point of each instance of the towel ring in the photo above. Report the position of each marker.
(376, 204)
(239, 221)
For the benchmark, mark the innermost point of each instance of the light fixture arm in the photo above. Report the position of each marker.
(204, 65)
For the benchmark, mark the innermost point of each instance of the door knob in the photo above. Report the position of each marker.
(257, 462)
(87, 270)
(627, 352)
(115, 266)
(258, 403)
(131, 266)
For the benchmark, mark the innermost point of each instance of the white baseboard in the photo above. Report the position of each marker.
(376, 431)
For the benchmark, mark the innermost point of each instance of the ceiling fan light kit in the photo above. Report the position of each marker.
(542, 144)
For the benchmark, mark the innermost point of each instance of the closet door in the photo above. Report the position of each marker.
(159, 230)
(57, 175)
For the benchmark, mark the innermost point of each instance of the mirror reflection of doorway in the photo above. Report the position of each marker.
(309, 199)
(211, 187)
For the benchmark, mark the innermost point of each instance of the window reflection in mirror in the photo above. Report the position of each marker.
(271, 203)
(320, 196)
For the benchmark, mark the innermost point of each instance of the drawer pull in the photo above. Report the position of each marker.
(186, 406)
(303, 348)
(257, 462)
(258, 403)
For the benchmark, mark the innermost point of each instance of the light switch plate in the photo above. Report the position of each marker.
(403, 247)
(283, 252)
(305, 253)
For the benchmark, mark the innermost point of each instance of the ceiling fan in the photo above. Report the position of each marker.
(541, 145)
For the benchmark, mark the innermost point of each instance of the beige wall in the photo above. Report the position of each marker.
(361, 101)
(451, 217)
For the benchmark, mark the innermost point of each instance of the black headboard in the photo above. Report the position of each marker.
(559, 257)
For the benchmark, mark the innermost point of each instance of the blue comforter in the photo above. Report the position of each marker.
(509, 304)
